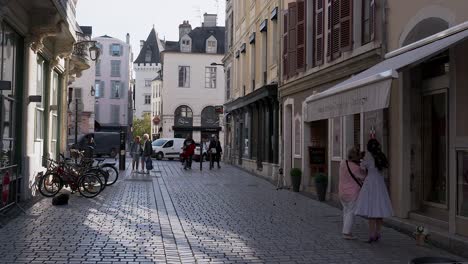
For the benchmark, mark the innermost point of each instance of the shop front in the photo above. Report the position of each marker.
(413, 102)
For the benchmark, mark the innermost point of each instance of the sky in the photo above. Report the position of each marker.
(116, 18)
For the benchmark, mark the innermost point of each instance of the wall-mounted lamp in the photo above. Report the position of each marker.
(93, 91)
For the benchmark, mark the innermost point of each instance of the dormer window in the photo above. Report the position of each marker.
(148, 55)
(211, 45)
(185, 44)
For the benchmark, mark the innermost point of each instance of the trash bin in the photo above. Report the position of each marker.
(430, 260)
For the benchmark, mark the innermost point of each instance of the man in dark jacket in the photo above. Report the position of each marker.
(215, 151)
(147, 151)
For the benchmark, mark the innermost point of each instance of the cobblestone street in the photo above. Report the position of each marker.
(177, 216)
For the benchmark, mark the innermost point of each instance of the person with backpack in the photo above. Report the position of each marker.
(350, 181)
(147, 150)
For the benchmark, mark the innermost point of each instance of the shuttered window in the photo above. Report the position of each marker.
(318, 35)
(292, 34)
(285, 46)
(368, 21)
(346, 25)
(335, 30)
(301, 35)
(340, 24)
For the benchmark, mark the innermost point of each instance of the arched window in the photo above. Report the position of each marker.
(209, 117)
(183, 116)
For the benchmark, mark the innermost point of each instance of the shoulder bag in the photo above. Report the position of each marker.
(353, 176)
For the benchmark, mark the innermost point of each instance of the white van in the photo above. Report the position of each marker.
(169, 148)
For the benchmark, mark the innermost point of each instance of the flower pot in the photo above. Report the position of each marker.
(296, 182)
(321, 188)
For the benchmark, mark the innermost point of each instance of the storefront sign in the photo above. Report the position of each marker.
(317, 156)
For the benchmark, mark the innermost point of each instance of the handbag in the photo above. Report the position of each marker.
(149, 164)
(353, 176)
(213, 150)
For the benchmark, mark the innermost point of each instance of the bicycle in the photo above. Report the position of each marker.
(60, 174)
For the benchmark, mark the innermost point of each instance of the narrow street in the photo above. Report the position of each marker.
(177, 216)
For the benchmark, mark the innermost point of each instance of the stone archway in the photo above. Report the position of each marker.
(425, 28)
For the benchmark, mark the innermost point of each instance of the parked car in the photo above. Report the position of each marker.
(169, 148)
(107, 143)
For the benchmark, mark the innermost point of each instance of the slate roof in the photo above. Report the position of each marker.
(151, 43)
(199, 36)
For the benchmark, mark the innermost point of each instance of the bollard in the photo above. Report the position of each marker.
(122, 150)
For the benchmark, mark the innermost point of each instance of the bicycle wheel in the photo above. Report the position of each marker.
(103, 176)
(50, 184)
(112, 172)
(89, 185)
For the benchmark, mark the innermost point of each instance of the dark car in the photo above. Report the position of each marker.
(107, 143)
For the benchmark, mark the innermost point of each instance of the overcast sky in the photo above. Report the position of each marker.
(116, 18)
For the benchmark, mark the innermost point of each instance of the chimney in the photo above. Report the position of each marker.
(128, 39)
(142, 43)
(209, 20)
(184, 28)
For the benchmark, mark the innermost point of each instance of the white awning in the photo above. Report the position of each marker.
(372, 87)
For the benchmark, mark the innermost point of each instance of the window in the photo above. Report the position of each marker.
(169, 144)
(210, 77)
(116, 50)
(99, 87)
(148, 55)
(367, 21)
(115, 68)
(39, 119)
(98, 68)
(147, 99)
(211, 46)
(228, 84)
(147, 83)
(115, 114)
(116, 90)
(184, 76)
(186, 46)
(183, 116)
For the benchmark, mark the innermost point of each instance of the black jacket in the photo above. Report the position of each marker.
(217, 145)
(147, 149)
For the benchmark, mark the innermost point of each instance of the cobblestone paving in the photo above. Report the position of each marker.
(177, 216)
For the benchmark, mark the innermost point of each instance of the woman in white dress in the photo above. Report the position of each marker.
(373, 201)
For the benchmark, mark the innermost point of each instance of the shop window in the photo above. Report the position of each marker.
(39, 111)
(183, 116)
(209, 117)
(462, 183)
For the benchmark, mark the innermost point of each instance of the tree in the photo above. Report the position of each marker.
(142, 126)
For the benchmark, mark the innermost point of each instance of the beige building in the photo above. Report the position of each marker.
(251, 66)
(389, 69)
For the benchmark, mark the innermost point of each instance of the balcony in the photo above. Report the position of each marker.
(80, 57)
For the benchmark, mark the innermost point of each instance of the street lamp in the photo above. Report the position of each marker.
(94, 50)
(93, 91)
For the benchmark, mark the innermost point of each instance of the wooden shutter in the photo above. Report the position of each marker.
(336, 29)
(285, 46)
(372, 20)
(319, 20)
(346, 25)
(110, 49)
(329, 30)
(292, 33)
(301, 35)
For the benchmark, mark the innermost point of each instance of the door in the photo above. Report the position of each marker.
(169, 150)
(434, 148)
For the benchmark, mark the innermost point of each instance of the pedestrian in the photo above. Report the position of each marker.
(215, 151)
(350, 183)
(135, 152)
(188, 152)
(89, 148)
(147, 150)
(373, 201)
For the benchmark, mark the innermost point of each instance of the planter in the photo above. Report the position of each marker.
(296, 175)
(321, 184)
(321, 188)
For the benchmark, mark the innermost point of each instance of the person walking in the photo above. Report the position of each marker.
(215, 151)
(350, 183)
(135, 153)
(188, 152)
(146, 153)
(373, 201)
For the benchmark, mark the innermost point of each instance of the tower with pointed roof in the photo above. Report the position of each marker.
(146, 67)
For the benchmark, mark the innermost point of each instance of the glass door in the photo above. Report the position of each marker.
(434, 140)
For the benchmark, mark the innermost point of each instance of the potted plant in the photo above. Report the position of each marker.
(321, 183)
(296, 175)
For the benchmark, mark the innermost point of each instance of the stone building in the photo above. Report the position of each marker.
(251, 68)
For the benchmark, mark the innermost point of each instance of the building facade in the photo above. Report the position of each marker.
(82, 90)
(38, 58)
(156, 107)
(251, 67)
(146, 66)
(192, 87)
(389, 70)
(112, 84)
